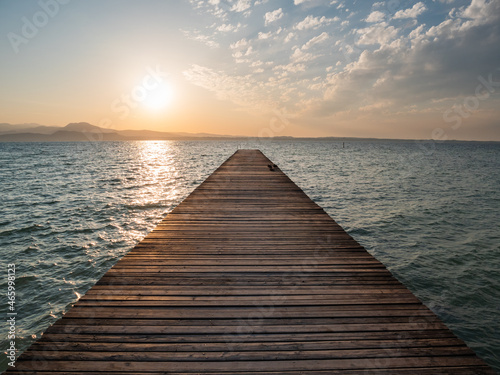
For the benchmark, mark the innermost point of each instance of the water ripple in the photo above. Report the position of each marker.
(71, 210)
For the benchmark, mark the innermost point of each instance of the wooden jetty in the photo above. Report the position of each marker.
(249, 276)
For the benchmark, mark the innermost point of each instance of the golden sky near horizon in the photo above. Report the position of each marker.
(389, 69)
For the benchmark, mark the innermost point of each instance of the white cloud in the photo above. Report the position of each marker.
(379, 33)
(241, 50)
(419, 71)
(289, 37)
(273, 16)
(379, 67)
(228, 27)
(375, 16)
(316, 40)
(239, 44)
(311, 22)
(412, 12)
(199, 37)
(482, 11)
(251, 91)
(417, 34)
(241, 5)
(292, 68)
(243, 90)
(211, 7)
(262, 35)
(299, 56)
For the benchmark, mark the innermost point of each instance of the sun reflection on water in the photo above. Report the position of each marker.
(157, 173)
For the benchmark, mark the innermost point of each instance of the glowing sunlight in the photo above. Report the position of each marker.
(159, 98)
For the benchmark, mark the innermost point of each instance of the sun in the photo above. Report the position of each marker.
(159, 98)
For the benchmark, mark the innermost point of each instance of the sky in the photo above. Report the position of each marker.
(388, 69)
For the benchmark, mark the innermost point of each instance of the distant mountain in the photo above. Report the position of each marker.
(40, 129)
(83, 131)
(148, 134)
(86, 127)
(61, 136)
(5, 127)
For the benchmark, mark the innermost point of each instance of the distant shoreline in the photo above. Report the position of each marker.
(85, 132)
(6, 139)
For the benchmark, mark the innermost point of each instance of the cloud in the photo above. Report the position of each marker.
(239, 44)
(273, 16)
(262, 35)
(215, 8)
(375, 16)
(228, 27)
(401, 68)
(412, 12)
(299, 56)
(292, 68)
(241, 5)
(420, 70)
(202, 38)
(244, 90)
(482, 12)
(380, 33)
(289, 37)
(247, 52)
(311, 22)
(316, 40)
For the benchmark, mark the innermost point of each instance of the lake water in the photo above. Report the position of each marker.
(429, 211)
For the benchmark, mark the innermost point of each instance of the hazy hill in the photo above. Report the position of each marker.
(5, 127)
(83, 131)
(86, 127)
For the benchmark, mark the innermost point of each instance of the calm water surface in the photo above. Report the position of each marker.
(429, 212)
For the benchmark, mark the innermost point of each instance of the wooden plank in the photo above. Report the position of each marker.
(237, 340)
(237, 322)
(463, 370)
(248, 276)
(249, 366)
(267, 355)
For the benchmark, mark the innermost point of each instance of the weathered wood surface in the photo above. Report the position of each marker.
(249, 276)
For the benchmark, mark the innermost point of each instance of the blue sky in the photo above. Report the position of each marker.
(395, 69)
